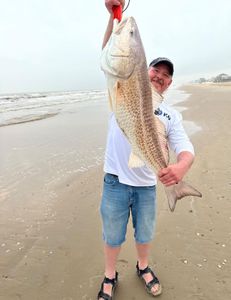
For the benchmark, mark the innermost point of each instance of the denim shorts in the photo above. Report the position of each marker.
(118, 201)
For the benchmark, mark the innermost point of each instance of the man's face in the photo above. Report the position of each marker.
(160, 77)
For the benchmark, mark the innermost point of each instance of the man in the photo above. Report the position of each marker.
(133, 190)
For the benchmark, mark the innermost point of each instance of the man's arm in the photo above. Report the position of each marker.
(108, 31)
(109, 4)
(175, 172)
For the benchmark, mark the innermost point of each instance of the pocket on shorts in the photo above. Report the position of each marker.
(110, 179)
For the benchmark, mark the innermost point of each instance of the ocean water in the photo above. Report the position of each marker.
(21, 108)
(28, 107)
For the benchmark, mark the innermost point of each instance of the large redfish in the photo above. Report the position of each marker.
(133, 101)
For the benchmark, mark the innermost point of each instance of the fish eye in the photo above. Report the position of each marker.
(131, 32)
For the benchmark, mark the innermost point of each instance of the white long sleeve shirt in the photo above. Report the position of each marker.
(118, 149)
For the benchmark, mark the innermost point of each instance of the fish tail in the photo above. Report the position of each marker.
(178, 191)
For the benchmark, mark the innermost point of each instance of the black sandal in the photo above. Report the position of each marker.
(151, 283)
(113, 282)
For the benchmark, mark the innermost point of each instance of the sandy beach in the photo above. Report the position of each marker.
(50, 233)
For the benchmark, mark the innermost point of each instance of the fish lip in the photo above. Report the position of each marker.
(115, 55)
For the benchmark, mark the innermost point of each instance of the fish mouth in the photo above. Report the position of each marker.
(119, 55)
(115, 68)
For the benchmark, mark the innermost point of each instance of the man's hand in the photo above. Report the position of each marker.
(110, 3)
(171, 175)
(175, 172)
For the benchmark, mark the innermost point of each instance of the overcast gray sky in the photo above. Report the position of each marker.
(49, 45)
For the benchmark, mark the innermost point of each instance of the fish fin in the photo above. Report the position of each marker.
(178, 191)
(135, 161)
(118, 91)
(110, 100)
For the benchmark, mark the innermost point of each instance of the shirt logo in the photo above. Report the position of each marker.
(159, 112)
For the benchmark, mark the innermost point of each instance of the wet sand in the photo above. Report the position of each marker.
(50, 231)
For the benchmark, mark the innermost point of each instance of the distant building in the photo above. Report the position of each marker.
(200, 80)
(219, 78)
(222, 78)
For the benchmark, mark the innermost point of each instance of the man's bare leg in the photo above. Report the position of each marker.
(110, 255)
(143, 251)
